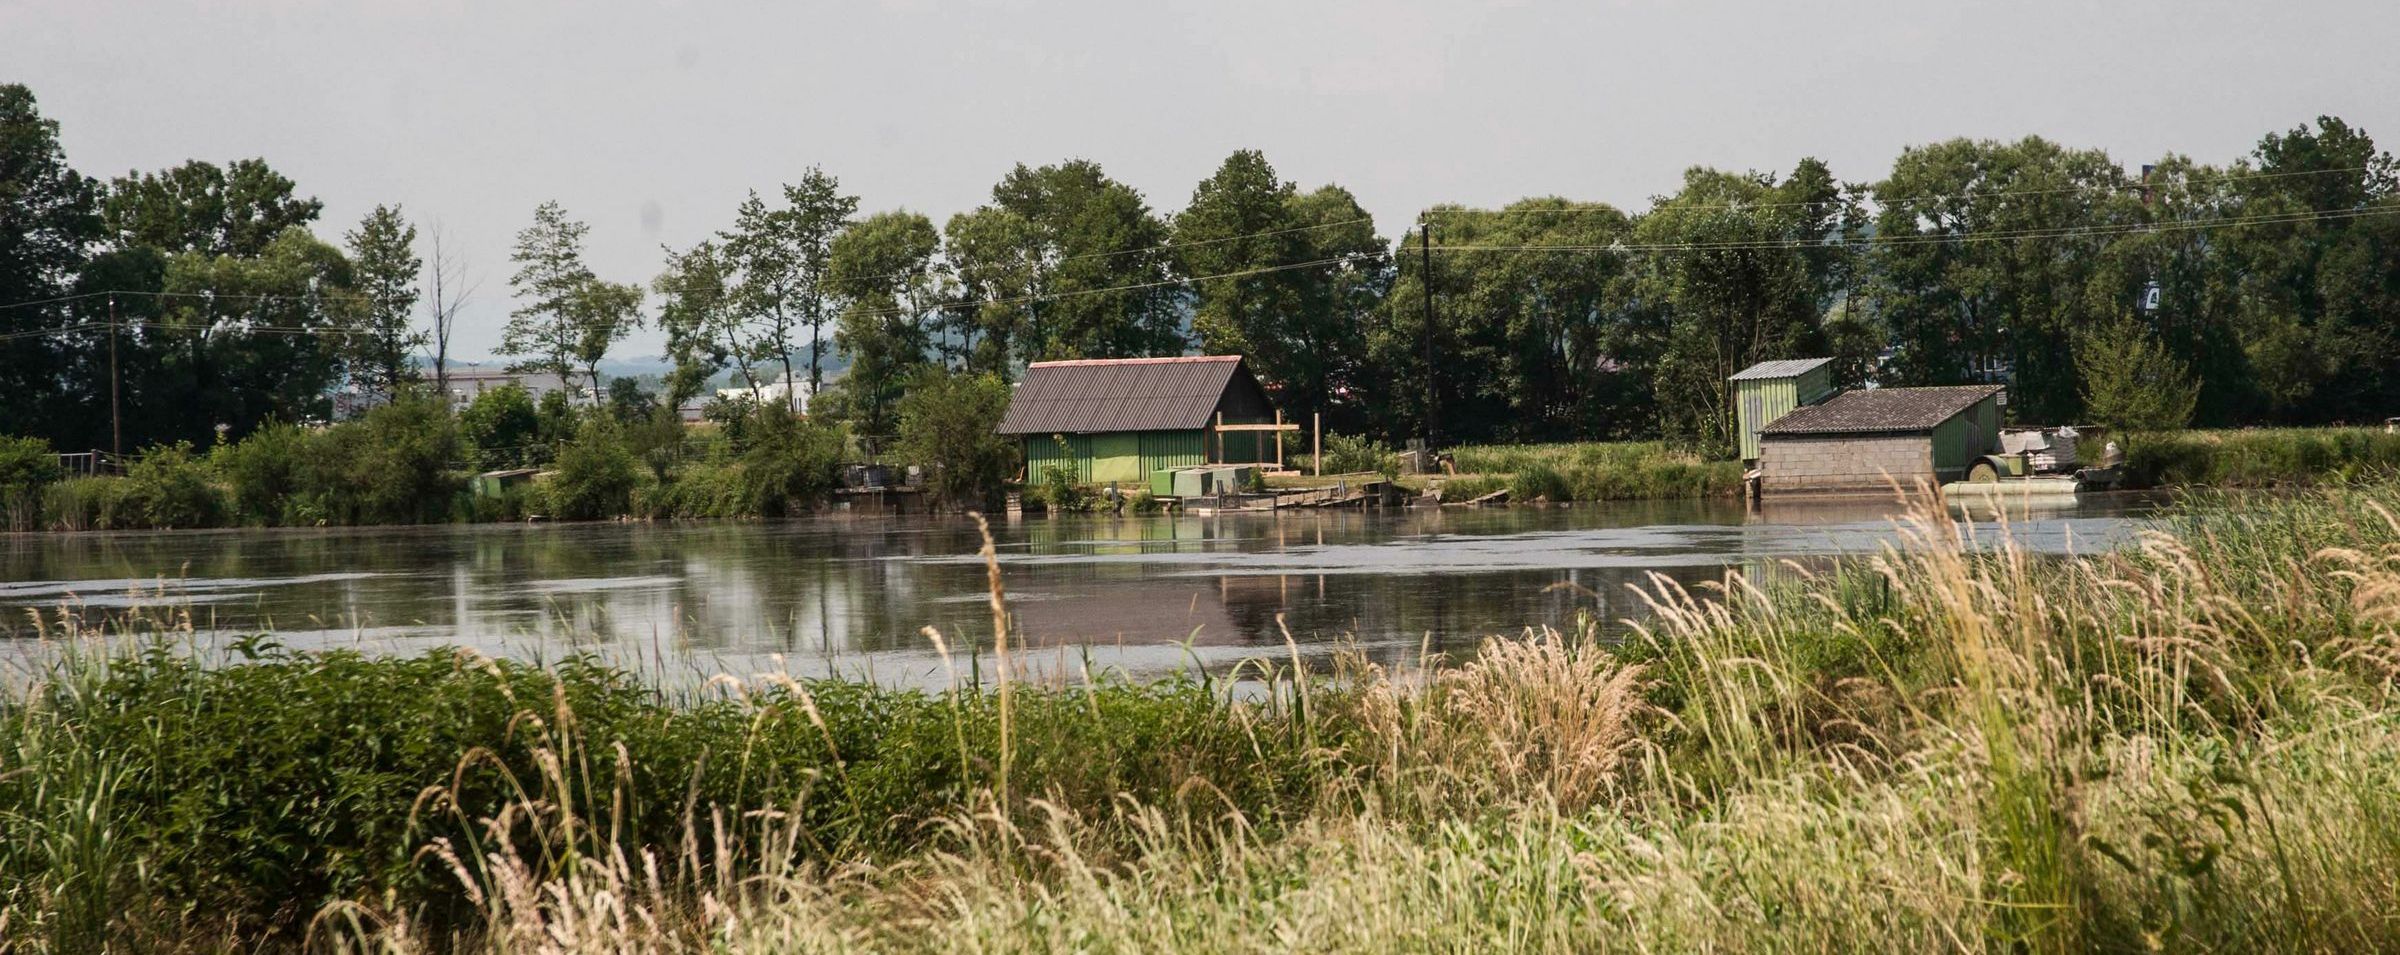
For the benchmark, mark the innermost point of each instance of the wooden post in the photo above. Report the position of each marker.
(1220, 439)
(1316, 432)
(1279, 439)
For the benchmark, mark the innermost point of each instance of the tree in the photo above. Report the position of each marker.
(1286, 279)
(696, 311)
(569, 317)
(234, 210)
(48, 220)
(782, 257)
(1527, 329)
(1102, 284)
(887, 268)
(1738, 269)
(502, 429)
(2130, 382)
(1984, 252)
(383, 253)
(995, 259)
(447, 291)
(1241, 226)
(242, 339)
(949, 425)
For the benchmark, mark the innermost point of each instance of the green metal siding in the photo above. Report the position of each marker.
(1759, 401)
(1070, 451)
(1125, 457)
(1161, 450)
(1966, 436)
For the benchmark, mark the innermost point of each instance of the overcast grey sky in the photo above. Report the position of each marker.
(650, 120)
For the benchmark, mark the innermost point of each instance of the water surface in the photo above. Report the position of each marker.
(853, 595)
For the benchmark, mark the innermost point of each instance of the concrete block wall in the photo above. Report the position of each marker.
(1845, 463)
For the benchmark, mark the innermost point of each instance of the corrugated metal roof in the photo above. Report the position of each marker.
(1123, 394)
(1781, 368)
(1881, 410)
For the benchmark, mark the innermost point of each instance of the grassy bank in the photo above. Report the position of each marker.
(2189, 744)
(2262, 457)
(1589, 471)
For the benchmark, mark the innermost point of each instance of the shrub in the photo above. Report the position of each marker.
(502, 429)
(595, 477)
(267, 471)
(27, 468)
(171, 486)
(1345, 454)
(792, 464)
(949, 426)
(390, 467)
(1059, 492)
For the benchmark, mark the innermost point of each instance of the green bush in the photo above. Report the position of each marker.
(792, 464)
(502, 429)
(595, 475)
(390, 467)
(949, 427)
(2266, 457)
(268, 473)
(255, 792)
(1345, 454)
(171, 486)
(27, 469)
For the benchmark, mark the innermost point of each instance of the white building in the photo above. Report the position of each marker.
(468, 382)
(792, 389)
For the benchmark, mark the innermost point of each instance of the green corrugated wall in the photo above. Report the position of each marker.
(1759, 401)
(1966, 436)
(1125, 457)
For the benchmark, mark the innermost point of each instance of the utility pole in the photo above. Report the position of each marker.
(1433, 401)
(116, 421)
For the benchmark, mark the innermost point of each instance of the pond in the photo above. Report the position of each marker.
(1139, 595)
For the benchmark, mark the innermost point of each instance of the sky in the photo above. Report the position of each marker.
(651, 121)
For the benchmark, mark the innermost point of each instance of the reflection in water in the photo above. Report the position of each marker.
(852, 595)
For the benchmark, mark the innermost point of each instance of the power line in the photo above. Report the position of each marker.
(2228, 179)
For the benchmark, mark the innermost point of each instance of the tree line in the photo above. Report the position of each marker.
(2262, 290)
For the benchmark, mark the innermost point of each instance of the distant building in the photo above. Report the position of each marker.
(1120, 420)
(1863, 441)
(791, 389)
(467, 383)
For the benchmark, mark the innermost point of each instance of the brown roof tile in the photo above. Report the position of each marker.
(1881, 410)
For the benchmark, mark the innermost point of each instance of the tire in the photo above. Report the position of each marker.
(1983, 473)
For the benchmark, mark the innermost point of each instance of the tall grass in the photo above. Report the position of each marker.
(2264, 457)
(2188, 744)
(1599, 471)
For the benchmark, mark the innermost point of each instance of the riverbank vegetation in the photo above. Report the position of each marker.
(2188, 743)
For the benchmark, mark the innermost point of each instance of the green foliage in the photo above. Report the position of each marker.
(1633, 470)
(1348, 454)
(2130, 382)
(383, 247)
(391, 467)
(595, 475)
(885, 266)
(27, 469)
(2262, 458)
(792, 463)
(567, 317)
(1057, 491)
(270, 472)
(171, 486)
(948, 426)
(502, 430)
(256, 791)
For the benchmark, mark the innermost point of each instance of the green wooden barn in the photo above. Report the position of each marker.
(1122, 420)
